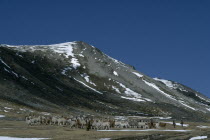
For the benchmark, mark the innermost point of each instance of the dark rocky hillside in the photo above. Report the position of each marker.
(75, 77)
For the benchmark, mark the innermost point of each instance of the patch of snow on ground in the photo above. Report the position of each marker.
(32, 83)
(63, 48)
(75, 63)
(132, 93)
(202, 98)
(115, 73)
(15, 74)
(81, 55)
(88, 86)
(116, 89)
(169, 84)
(168, 130)
(129, 91)
(8, 108)
(46, 113)
(163, 118)
(4, 63)
(116, 61)
(183, 90)
(201, 126)
(86, 77)
(149, 100)
(184, 104)
(19, 55)
(105, 139)
(24, 77)
(198, 138)
(138, 74)
(166, 82)
(178, 124)
(2, 116)
(6, 70)
(167, 95)
(158, 89)
(59, 88)
(133, 99)
(15, 138)
(65, 70)
(208, 109)
(22, 109)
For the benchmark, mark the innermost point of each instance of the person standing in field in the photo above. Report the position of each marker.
(174, 124)
(182, 123)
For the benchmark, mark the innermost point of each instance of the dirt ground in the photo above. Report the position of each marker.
(21, 129)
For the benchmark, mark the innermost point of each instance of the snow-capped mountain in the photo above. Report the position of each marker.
(79, 77)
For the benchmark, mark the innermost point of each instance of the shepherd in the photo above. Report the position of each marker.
(174, 124)
(182, 123)
(88, 125)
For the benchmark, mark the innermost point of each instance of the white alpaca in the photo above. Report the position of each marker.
(105, 125)
(54, 120)
(62, 121)
(96, 124)
(72, 123)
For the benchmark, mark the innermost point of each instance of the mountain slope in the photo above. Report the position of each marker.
(77, 77)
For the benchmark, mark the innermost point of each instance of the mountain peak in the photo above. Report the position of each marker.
(78, 74)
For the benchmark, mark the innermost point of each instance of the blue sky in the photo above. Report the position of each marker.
(161, 38)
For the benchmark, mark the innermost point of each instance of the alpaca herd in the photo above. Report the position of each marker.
(92, 123)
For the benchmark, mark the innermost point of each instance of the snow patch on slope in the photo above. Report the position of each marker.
(6, 70)
(4, 63)
(12, 72)
(170, 84)
(135, 96)
(115, 73)
(65, 70)
(184, 104)
(8, 108)
(65, 49)
(158, 89)
(75, 63)
(15, 74)
(202, 98)
(115, 61)
(87, 79)
(166, 82)
(116, 89)
(167, 95)
(138, 74)
(133, 99)
(88, 86)
(208, 109)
